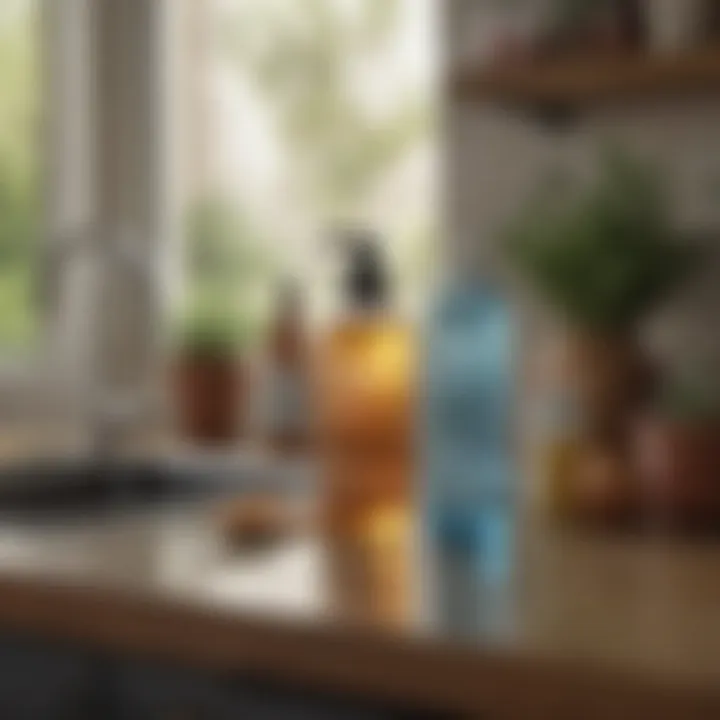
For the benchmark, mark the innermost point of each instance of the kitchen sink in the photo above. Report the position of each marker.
(67, 488)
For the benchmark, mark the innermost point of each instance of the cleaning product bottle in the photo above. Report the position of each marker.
(287, 422)
(364, 399)
(467, 442)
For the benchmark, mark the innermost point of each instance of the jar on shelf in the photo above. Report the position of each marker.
(675, 25)
(493, 31)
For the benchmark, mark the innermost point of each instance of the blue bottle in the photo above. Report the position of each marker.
(468, 416)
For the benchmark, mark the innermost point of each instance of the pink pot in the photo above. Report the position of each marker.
(679, 468)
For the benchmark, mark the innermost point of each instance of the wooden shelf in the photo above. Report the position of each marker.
(574, 84)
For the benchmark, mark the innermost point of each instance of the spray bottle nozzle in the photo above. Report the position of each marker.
(366, 280)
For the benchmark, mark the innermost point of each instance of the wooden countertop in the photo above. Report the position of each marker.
(578, 627)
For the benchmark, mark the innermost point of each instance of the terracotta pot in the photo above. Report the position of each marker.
(609, 378)
(210, 398)
(604, 487)
(679, 467)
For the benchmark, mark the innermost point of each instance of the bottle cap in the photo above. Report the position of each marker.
(366, 281)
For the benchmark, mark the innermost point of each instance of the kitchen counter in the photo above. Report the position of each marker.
(568, 626)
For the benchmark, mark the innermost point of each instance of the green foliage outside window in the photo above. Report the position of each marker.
(302, 60)
(19, 174)
(338, 150)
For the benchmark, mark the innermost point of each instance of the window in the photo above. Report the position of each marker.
(20, 174)
(301, 117)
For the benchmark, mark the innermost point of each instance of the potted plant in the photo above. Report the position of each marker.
(602, 256)
(210, 378)
(227, 271)
(677, 452)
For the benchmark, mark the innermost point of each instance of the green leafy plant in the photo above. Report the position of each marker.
(20, 196)
(211, 335)
(228, 269)
(602, 255)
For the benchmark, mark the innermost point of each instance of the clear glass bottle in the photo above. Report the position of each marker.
(287, 421)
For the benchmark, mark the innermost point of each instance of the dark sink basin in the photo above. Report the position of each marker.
(63, 489)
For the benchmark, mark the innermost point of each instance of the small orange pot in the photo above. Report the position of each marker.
(210, 395)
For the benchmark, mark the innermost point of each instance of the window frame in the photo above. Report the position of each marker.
(78, 153)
